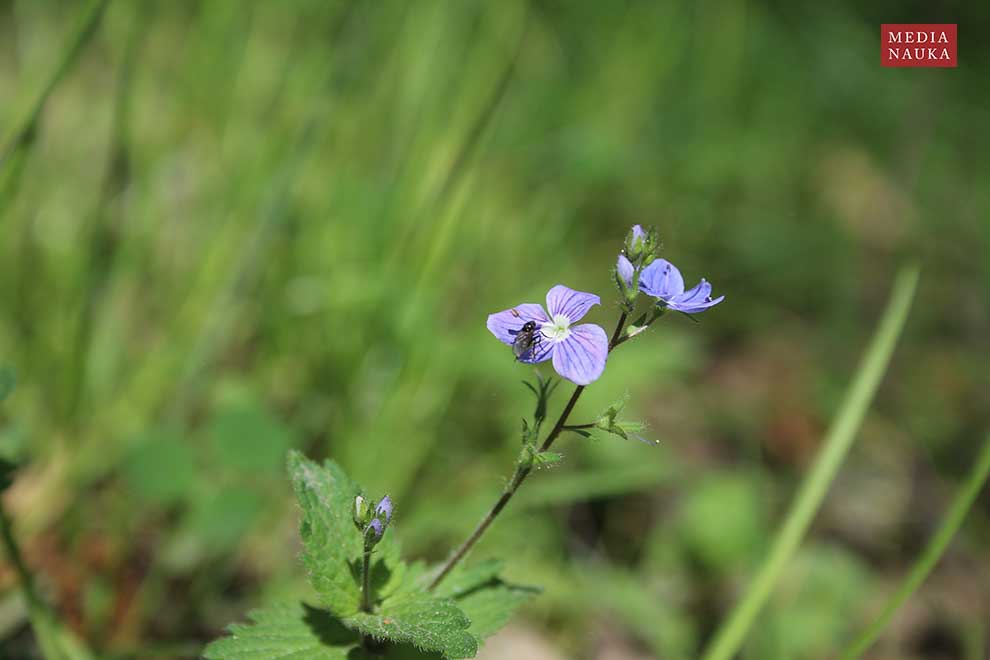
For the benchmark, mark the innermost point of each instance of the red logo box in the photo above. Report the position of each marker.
(918, 44)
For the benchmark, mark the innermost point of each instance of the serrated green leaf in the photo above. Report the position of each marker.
(467, 578)
(420, 619)
(333, 548)
(490, 606)
(487, 600)
(288, 630)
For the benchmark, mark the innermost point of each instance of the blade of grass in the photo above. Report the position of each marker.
(840, 436)
(929, 558)
(23, 133)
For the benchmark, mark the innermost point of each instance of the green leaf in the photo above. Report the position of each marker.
(333, 548)
(546, 458)
(221, 520)
(420, 619)
(249, 439)
(161, 468)
(288, 630)
(485, 599)
(333, 552)
(55, 640)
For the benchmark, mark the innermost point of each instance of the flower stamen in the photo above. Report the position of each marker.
(558, 329)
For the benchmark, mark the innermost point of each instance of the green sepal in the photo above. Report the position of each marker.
(609, 422)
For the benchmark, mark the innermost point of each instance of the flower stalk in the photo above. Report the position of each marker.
(522, 471)
(366, 580)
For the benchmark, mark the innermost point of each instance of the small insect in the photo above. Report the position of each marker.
(527, 339)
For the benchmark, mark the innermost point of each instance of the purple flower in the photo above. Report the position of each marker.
(578, 351)
(376, 527)
(663, 281)
(384, 509)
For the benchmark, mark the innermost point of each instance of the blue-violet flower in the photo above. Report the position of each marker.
(578, 352)
(663, 281)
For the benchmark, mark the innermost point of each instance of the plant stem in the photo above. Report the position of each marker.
(366, 581)
(366, 641)
(522, 471)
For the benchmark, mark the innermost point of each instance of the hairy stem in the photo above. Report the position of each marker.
(522, 471)
(366, 581)
(366, 641)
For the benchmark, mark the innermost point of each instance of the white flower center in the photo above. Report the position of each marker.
(558, 329)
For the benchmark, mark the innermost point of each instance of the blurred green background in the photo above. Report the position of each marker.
(240, 227)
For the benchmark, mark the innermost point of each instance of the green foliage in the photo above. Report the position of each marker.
(473, 604)
(609, 422)
(292, 630)
(723, 521)
(816, 484)
(161, 468)
(332, 549)
(547, 458)
(318, 203)
(820, 593)
(249, 440)
(486, 600)
(7, 382)
(417, 618)
(219, 520)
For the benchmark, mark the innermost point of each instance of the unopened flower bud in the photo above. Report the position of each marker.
(376, 528)
(384, 509)
(360, 510)
(636, 241)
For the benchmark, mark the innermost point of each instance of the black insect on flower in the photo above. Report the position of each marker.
(526, 341)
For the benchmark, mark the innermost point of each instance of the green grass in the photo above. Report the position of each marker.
(816, 484)
(240, 227)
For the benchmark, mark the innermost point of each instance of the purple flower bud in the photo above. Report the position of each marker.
(384, 509)
(376, 527)
(636, 242)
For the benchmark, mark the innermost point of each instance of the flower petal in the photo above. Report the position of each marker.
(581, 357)
(625, 269)
(696, 300)
(662, 280)
(572, 304)
(505, 324)
(540, 352)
